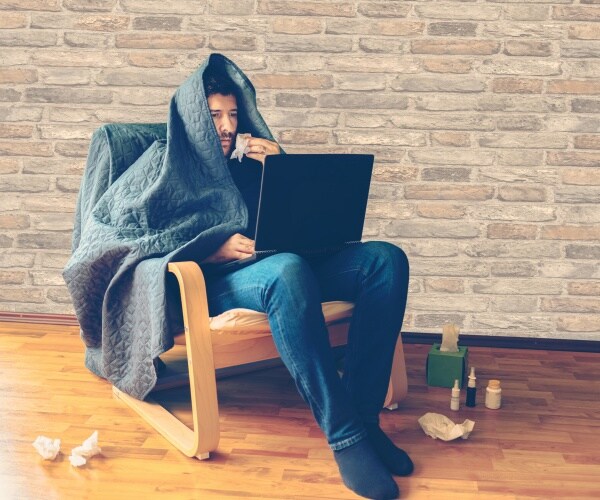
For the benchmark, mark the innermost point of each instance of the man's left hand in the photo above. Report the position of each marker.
(259, 148)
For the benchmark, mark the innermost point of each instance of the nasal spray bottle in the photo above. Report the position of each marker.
(471, 388)
(455, 399)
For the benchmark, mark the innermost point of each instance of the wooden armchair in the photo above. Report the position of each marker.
(238, 338)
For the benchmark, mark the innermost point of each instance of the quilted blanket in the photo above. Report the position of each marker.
(151, 194)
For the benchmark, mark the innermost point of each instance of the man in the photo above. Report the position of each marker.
(290, 289)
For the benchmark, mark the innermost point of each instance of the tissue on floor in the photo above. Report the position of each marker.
(46, 447)
(441, 427)
(88, 449)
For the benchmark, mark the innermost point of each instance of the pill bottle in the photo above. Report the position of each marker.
(455, 397)
(493, 395)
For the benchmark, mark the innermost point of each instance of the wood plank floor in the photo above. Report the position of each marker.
(543, 443)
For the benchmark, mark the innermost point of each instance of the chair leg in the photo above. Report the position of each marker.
(398, 387)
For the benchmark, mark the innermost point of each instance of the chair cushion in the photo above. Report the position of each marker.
(246, 320)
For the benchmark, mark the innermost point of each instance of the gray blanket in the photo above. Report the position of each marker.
(151, 194)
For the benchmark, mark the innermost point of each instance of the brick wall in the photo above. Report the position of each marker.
(483, 117)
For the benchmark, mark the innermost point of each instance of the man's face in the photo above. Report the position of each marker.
(223, 109)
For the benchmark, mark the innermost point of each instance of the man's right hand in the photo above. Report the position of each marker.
(236, 247)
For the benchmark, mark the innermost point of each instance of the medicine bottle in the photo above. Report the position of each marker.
(493, 395)
(455, 398)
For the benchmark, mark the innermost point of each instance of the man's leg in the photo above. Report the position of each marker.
(374, 276)
(284, 286)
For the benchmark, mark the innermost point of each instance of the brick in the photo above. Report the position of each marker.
(380, 137)
(507, 249)
(448, 192)
(50, 203)
(526, 12)
(63, 131)
(289, 43)
(518, 287)
(584, 32)
(12, 277)
(520, 213)
(582, 252)
(577, 194)
(523, 157)
(300, 119)
(195, 7)
(578, 49)
(511, 231)
(372, 64)
(431, 248)
(452, 29)
(520, 103)
(47, 166)
(517, 85)
(573, 87)
(566, 269)
(360, 81)
(446, 157)
(547, 31)
(300, 136)
(20, 114)
(297, 26)
(91, 22)
(89, 5)
(521, 193)
(10, 202)
(88, 40)
(53, 222)
(435, 320)
(435, 65)
(50, 5)
(571, 232)
(13, 20)
(231, 7)
(443, 121)
(387, 172)
(386, 45)
(232, 42)
(446, 83)
(519, 67)
(584, 288)
(25, 148)
(159, 41)
(581, 215)
(513, 304)
(78, 58)
(388, 27)
(586, 141)
(575, 158)
(151, 59)
(510, 323)
(570, 305)
(24, 184)
(10, 131)
(17, 75)
(522, 122)
(383, 9)
(444, 285)
(430, 229)
(581, 176)
(582, 69)
(14, 221)
(363, 100)
(157, 23)
(280, 81)
(146, 96)
(440, 174)
(59, 295)
(9, 165)
(528, 48)
(449, 303)
(474, 12)
(54, 241)
(576, 13)
(524, 140)
(68, 95)
(291, 63)
(440, 211)
(457, 139)
(9, 95)
(25, 295)
(5, 241)
(453, 268)
(28, 38)
(578, 324)
(291, 8)
(68, 184)
(513, 269)
(455, 47)
(46, 278)
(69, 76)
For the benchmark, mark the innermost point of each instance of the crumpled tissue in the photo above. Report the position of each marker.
(241, 146)
(46, 447)
(441, 427)
(450, 338)
(88, 449)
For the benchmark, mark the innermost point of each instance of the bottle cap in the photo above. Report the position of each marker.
(494, 384)
(456, 387)
(472, 374)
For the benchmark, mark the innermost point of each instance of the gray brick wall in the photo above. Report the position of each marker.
(483, 117)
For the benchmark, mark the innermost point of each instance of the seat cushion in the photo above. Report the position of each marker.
(246, 320)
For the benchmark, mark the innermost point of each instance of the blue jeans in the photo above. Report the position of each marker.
(290, 289)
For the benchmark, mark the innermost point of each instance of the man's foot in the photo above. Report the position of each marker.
(394, 458)
(363, 472)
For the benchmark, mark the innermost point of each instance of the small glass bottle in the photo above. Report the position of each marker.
(471, 388)
(455, 399)
(493, 395)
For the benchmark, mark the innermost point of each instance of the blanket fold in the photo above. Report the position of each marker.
(151, 194)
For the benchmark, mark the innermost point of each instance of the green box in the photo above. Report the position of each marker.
(445, 367)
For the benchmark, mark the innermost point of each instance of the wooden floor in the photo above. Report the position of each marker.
(543, 443)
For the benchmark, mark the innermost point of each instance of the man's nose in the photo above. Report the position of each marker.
(226, 124)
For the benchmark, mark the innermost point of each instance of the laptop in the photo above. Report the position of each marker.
(309, 204)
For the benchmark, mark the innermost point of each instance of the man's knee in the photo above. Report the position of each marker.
(288, 268)
(382, 254)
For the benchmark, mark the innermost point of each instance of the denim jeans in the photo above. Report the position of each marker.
(290, 289)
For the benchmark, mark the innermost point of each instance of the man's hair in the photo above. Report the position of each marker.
(218, 82)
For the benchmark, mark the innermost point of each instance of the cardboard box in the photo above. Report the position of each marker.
(444, 367)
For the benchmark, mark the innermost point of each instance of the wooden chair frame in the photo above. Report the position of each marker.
(208, 351)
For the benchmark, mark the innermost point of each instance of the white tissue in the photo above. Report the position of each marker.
(450, 338)
(441, 427)
(46, 447)
(241, 146)
(88, 449)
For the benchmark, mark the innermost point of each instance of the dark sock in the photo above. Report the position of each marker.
(394, 458)
(363, 472)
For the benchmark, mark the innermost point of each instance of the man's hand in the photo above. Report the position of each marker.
(259, 148)
(236, 247)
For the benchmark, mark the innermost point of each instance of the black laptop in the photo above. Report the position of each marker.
(309, 204)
